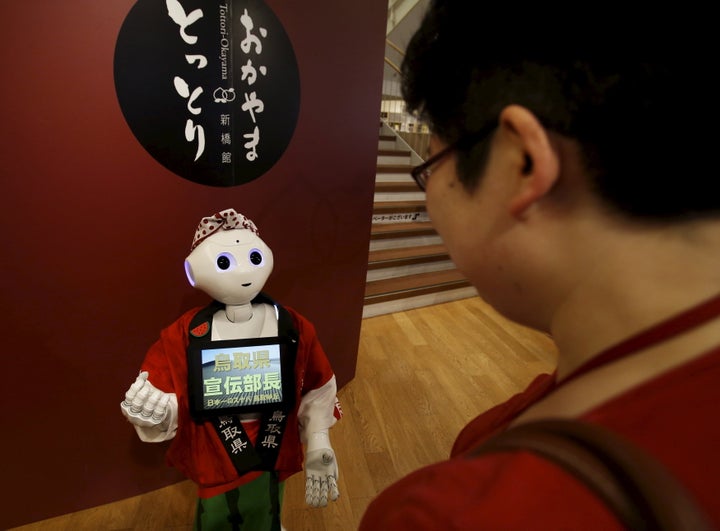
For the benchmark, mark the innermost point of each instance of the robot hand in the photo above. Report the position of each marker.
(147, 407)
(321, 472)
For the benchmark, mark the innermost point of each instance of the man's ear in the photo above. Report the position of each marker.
(540, 167)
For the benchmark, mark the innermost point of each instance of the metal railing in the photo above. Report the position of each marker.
(393, 113)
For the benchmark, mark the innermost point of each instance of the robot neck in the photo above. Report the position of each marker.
(238, 313)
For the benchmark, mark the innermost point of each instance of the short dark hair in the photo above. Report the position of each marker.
(625, 93)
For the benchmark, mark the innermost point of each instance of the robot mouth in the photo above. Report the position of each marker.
(246, 285)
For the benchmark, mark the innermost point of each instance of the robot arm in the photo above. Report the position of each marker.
(152, 412)
(316, 416)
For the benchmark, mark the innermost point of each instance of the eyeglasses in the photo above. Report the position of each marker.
(421, 173)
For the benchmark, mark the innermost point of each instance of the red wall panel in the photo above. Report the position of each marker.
(95, 233)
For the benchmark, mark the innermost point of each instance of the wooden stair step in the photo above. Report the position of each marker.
(393, 152)
(414, 243)
(381, 231)
(420, 254)
(398, 207)
(378, 291)
(394, 168)
(396, 186)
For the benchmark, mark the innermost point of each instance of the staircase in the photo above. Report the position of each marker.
(408, 265)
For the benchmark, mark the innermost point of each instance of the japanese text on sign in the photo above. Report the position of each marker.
(251, 47)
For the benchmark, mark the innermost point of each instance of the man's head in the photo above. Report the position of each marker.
(590, 126)
(630, 90)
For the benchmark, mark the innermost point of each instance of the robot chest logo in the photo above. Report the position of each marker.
(210, 89)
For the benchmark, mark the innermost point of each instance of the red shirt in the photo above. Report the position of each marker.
(674, 417)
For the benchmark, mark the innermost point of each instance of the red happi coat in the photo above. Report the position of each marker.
(197, 451)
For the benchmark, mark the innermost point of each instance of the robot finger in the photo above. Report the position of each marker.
(136, 406)
(138, 384)
(334, 492)
(323, 494)
(150, 406)
(309, 490)
(316, 492)
(161, 408)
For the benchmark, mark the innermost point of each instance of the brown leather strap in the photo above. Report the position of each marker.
(640, 491)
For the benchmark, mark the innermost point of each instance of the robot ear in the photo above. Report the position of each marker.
(189, 273)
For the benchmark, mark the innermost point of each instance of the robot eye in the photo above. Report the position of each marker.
(256, 257)
(225, 261)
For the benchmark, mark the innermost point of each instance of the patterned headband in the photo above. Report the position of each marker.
(225, 220)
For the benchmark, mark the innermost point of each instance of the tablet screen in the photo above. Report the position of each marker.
(239, 376)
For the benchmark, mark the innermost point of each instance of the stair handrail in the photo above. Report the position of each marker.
(402, 143)
(416, 141)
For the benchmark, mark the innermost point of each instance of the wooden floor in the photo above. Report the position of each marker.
(421, 375)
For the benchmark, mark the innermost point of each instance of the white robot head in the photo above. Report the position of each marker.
(228, 260)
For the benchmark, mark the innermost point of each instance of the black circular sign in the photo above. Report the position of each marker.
(210, 89)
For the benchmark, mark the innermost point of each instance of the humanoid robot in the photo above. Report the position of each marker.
(239, 456)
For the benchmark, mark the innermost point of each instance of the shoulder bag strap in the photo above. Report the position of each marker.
(640, 491)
